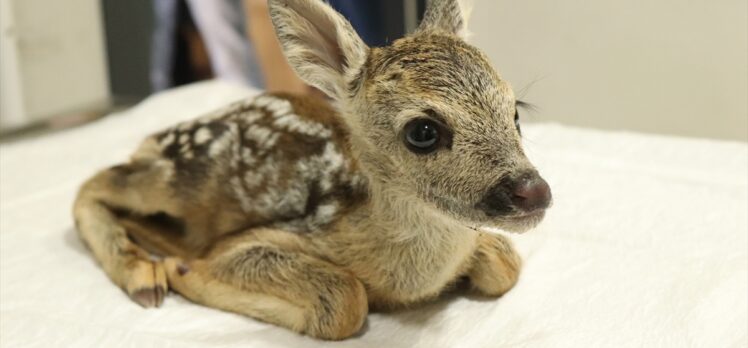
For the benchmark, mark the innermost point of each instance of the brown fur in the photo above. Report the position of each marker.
(303, 215)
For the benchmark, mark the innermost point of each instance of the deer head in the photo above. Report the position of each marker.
(429, 116)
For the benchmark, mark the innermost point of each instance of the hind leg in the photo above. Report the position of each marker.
(135, 188)
(272, 276)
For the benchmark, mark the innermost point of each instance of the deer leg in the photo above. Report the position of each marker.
(270, 275)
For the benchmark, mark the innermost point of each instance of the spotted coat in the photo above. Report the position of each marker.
(282, 159)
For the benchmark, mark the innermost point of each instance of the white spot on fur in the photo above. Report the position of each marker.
(203, 135)
(263, 137)
(279, 107)
(186, 151)
(184, 138)
(252, 179)
(166, 168)
(167, 140)
(263, 101)
(292, 200)
(185, 126)
(236, 147)
(332, 158)
(251, 116)
(294, 123)
(223, 142)
(325, 213)
(218, 114)
(325, 184)
(241, 194)
(247, 156)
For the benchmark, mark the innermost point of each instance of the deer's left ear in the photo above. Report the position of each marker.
(320, 45)
(449, 16)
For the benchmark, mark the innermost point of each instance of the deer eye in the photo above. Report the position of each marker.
(422, 135)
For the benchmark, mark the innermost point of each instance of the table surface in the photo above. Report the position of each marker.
(646, 245)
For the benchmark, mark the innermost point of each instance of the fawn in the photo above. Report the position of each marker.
(304, 215)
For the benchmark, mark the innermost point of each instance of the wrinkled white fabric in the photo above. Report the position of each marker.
(645, 246)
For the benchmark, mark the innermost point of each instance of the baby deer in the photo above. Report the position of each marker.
(290, 211)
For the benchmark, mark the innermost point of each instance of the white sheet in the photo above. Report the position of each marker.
(645, 247)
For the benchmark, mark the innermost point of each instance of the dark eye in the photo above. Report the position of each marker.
(516, 121)
(422, 135)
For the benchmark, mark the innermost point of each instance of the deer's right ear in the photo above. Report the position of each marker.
(449, 16)
(320, 45)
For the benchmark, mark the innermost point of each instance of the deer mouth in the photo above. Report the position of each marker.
(538, 214)
(511, 221)
(522, 222)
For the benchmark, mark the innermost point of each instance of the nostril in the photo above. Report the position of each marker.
(526, 193)
(532, 194)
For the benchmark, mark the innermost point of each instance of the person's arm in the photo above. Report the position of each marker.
(279, 77)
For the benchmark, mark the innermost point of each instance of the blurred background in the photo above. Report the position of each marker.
(667, 66)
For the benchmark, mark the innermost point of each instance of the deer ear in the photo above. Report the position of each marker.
(319, 44)
(448, 16)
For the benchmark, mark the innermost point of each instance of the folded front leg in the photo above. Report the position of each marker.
(496, 265)
(269, 276)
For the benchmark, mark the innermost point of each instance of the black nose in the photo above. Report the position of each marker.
(524, 193)
(531, 193)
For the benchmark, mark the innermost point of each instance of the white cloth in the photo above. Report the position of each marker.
(645, 246)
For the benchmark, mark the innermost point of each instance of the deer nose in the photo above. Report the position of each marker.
(530, 193)
(524, 193)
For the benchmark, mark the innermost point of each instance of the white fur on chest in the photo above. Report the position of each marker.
(425, 263)
(405, 251)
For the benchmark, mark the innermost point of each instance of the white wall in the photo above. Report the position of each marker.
(11, 99)
(53, 59)
(664, 66)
